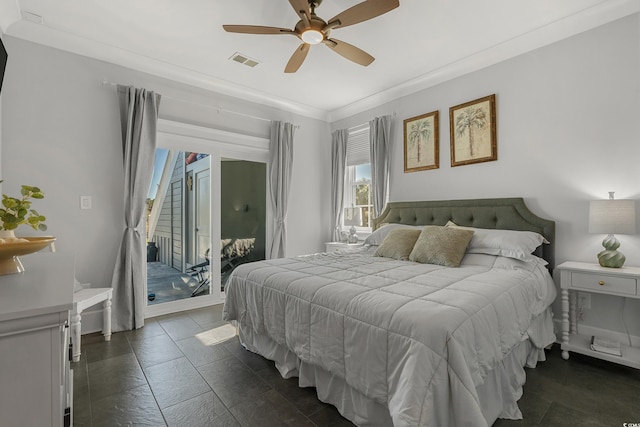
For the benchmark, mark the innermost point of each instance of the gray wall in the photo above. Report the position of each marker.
(567, 128)
(61, 131)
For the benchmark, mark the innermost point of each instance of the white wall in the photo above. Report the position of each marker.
(61, 131)
(567, 119)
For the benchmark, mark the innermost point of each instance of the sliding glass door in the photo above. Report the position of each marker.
(179, 227)
(207, 213)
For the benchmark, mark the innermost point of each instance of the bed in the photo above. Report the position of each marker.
(393, 342)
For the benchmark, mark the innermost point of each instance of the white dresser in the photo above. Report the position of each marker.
(35, 377)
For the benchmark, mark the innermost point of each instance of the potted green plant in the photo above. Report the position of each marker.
(17, 211)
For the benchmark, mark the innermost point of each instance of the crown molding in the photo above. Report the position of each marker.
(601, 14)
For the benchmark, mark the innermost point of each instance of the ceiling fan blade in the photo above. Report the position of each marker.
(297, 58)
(349, 51)
(364, 11)
(302, 8)
(256, 29)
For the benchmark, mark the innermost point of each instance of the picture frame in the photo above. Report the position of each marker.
(422, 142)
(473, 131)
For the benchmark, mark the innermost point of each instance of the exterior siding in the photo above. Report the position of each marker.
(168, 232)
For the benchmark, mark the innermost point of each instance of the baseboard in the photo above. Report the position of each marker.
(587, 330)
(180, 305)
(92, 319)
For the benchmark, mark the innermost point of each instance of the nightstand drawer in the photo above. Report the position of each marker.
(604, 283)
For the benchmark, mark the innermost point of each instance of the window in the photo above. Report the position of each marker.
(357, 203)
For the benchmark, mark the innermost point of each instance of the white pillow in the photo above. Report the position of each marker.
(508, 243)
(377, 237)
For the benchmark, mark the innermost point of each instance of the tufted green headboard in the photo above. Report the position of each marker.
(507, 213)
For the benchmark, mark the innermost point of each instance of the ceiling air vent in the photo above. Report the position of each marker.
(32, 17)
(244, 59)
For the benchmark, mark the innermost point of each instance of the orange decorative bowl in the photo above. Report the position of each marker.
(9, 252)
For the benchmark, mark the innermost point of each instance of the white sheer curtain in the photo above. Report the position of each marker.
(280, 165)
(139, 117)
(380, 144)
(339, 140)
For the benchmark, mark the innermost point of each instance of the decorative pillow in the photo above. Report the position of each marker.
(508, 243)
(441, 245)
(398, 243)
(377, 237)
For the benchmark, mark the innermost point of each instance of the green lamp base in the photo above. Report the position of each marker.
(610, 257)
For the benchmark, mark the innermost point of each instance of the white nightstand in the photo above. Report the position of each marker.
(586, 277)
(339, 246)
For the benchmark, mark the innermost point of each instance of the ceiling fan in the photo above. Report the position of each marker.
(312, 29)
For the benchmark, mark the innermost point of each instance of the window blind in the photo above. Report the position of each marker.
(358, 152)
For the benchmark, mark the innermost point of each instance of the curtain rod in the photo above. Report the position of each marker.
(219, 110)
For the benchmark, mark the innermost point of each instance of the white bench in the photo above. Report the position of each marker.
(82, 300)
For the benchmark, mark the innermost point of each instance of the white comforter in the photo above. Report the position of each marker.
(418, 338)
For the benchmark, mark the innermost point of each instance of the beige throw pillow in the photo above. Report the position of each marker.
(441, 245)
(398, 243)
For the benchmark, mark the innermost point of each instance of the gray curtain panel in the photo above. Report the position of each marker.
(280, 165)
(380, 142)
(339, 140)
(138, 117)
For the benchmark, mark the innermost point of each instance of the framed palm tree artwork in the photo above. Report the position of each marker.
(473, 131)
(421, 142)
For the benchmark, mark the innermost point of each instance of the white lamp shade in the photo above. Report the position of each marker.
(612, 217)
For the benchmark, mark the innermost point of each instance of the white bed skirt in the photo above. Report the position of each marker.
(498, 395)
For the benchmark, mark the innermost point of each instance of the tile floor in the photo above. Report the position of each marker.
(188, 369)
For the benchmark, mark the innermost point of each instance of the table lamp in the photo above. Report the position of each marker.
(612, 217)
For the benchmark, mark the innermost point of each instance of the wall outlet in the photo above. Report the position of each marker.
(584, 301)
(85, 202)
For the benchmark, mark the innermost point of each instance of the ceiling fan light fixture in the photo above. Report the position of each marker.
(312, 36)
(312, 29)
